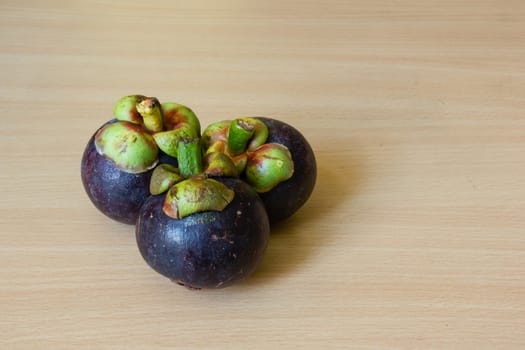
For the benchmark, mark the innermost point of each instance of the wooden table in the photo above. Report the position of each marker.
(413, 239)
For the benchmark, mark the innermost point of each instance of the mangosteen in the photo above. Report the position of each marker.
(116, 192)
(283, 200)
(117, 163)
(205, 232)
(208, 249)
(271, 156)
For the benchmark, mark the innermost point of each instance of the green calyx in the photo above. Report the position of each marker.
(130, 147)
(154, 116)
(196, 195)
(163, 177)
(268, 166)
(235, 137)
(126, 109)
(232, 148)
(243, 140)
(219, 164)
(179, 122)
(167, 122)
(169, 140)
(215, 136)
(176, 114)
(189, 189)
(139, 109)
(144, 126)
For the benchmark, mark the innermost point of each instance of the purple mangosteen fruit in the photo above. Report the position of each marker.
(283, 200)
(118, 160)
(202, 205)
(271, 156)
(208, 249)
(205, 232)
(117, 193)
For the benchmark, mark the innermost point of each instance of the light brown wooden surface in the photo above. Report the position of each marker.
(413, 239)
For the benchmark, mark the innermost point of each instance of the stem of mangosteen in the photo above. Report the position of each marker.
(189, 157)
(240, 133)
(246, 134)
(149, 109)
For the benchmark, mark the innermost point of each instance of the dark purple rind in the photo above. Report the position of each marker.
(286, 198)
(117, 194)
(205, 250)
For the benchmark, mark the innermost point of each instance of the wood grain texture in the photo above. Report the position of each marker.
(413, 239)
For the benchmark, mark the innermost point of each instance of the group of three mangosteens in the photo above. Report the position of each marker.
(203, 202)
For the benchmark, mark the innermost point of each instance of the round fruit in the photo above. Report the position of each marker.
(271, 156)
(287, 197)
(208, 249)
(116, 193)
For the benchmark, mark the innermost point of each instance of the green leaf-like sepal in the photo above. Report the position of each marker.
(215, 136)
(126, 109)
(219, 164)
(129, 146)
(175, 114)
(164, 176)
(196, 195)
(168, 140)
(240, 162)
(268, 166)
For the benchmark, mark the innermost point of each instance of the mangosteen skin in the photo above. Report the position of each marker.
(286, 198)
(211, 249)
(116, 193)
